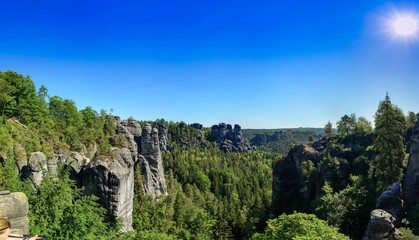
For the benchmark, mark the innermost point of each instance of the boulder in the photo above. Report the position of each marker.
(381, 226)
(37, 164)
(15, 207)
(391, 202)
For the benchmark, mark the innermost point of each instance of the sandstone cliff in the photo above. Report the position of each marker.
(229, 139)
(411, 180)
(109, 176)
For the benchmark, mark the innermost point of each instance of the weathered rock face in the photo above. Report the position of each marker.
(411, 181)
(391, 202)
(37, 164)
(131, 130)
(151, 162)
(112, 180)
(15, 207)
(163, 137)
(229, 139)
(289, 182)
(298, 177)
(381, 226)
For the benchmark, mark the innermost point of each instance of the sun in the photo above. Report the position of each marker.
(405, 25)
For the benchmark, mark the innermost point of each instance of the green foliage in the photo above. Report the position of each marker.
(347, 209)
(346, 125)
(406, 234)
(58, 210)
(299, 226)
(280, 141)
(413, 218)
(328, 129)
(390, 126)
(212, 195)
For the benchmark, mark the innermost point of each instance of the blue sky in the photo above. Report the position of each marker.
(261, 64)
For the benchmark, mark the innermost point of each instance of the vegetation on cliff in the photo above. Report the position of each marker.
(211, 194)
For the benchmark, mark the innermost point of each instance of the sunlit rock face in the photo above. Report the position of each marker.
(411, 181)
(381, 226)
(229, 139)
(151, 162)
(15, 207)
(390, 201)
(112, 180)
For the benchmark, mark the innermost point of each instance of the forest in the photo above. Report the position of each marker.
(210, 194)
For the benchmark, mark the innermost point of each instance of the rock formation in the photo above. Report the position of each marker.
(37, 165)
(229, 139)
(298, 178)
(163, 137)
(391, 202)
(151, 162)
(112, 180)
(411, 181)
(15, 207)
(289, 183)
(109, 176)
(381, 226)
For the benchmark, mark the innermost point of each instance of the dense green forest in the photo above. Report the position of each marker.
(281, 140)
(211, 194)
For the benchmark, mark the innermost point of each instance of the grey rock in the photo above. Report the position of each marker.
(381, 226)
(411, 181)
(15, 207)
(163, 137)
(391, 202)
(289, 184)
(229, 139)
(37, 164)
(127, 129)
(151, 162)
(20, 156)
(112, 180)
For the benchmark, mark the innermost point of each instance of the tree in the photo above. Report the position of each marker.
(346, 125)
(299, 226)
(363, 126)
(410, 119)
(328, 129)
(390, 126)
(59, 211)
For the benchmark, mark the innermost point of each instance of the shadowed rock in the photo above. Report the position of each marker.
(411, 181)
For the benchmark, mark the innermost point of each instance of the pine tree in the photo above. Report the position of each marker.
(390, 126)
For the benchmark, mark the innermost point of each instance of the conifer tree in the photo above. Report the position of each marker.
(390, 126)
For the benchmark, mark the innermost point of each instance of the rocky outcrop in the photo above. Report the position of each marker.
(391, 202)
(229, 139)
(109, 176)
(411, 181)
(297, 179)
(151, 162)
(14, 206)
(163, 137)
(37, 165)
(381, 226)
(290, 183)
(112, 180)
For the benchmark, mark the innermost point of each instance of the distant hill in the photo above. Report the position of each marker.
(280, 140)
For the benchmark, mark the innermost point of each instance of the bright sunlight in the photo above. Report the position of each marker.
(405, 25)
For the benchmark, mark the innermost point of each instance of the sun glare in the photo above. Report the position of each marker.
(405, 25)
